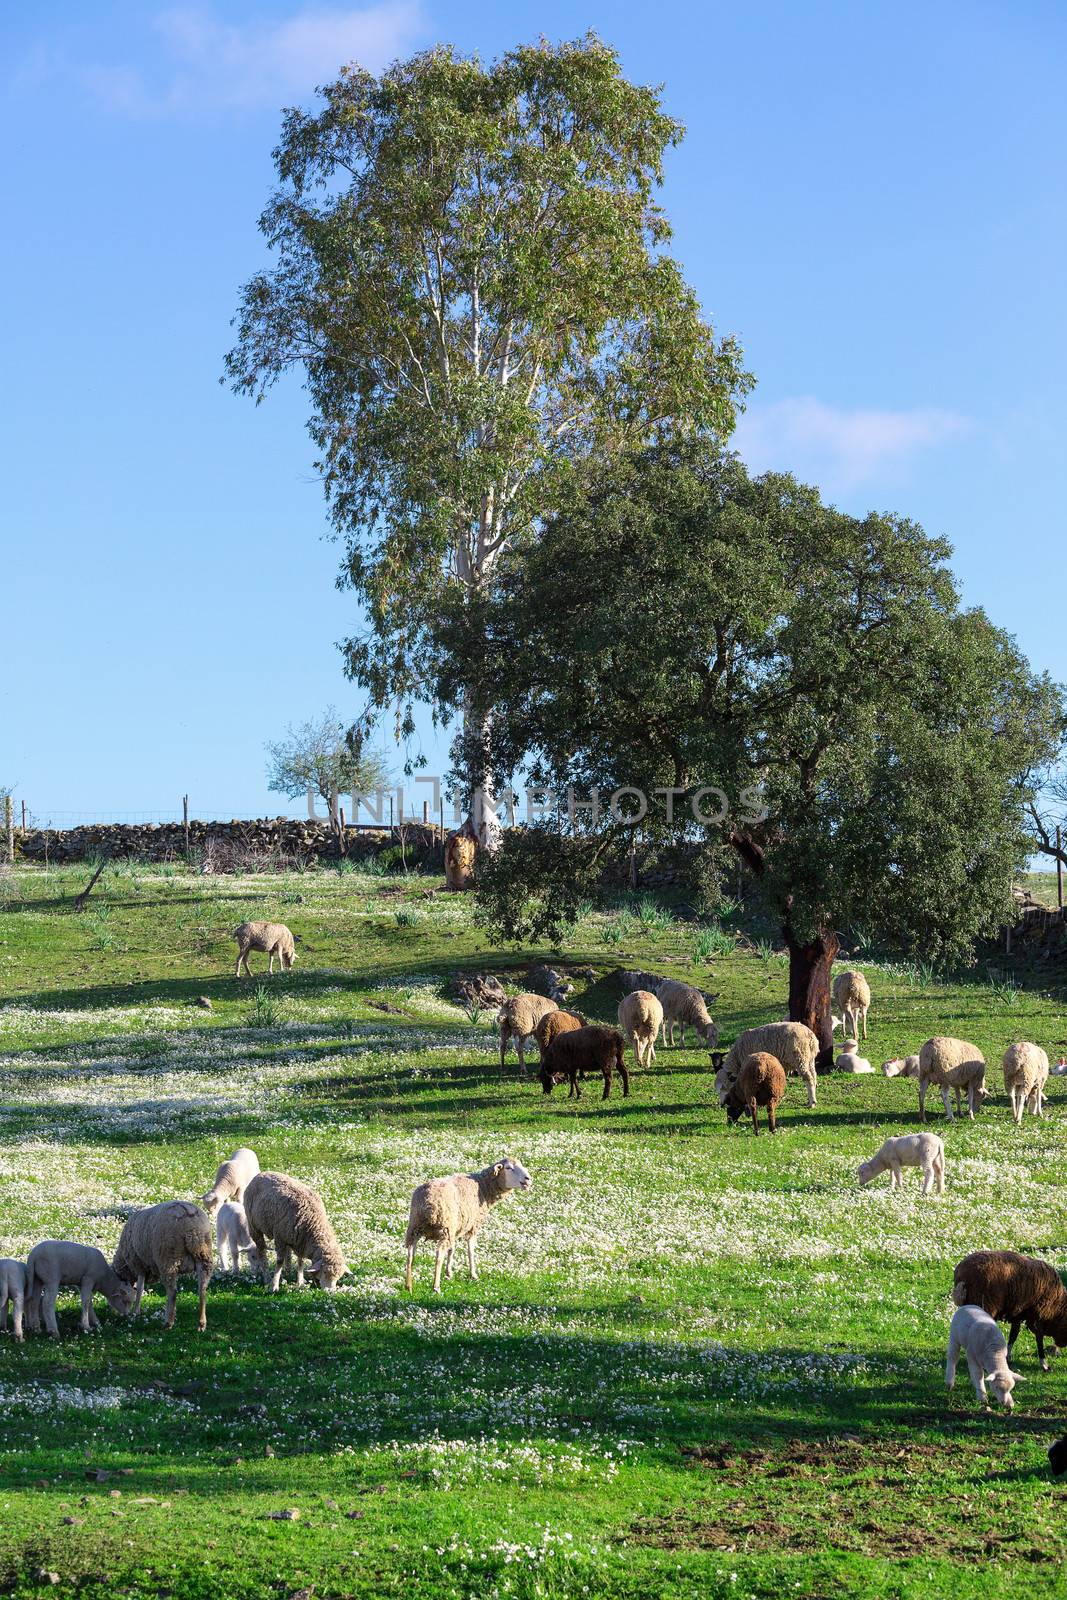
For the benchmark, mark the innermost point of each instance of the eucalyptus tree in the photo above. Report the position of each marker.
(685, 629)
(470, 275)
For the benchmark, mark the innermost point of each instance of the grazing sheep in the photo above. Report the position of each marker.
(923, 1150)
(761, 1082)
(518, 1019)
(792, 1044)
(901, 1067)
(852, 997)
(450, 1209)
(1016, 1289)
(593, 1049)
(273, 938)
(973, 1331)
(232, 1179)
(1025, 1075)
(13, 1289)
(553, 1023)
(285, 1210)
(232, 1238)
(849, 1061)
(640, 1018)
(952, 1064)
(681, 1004)
(54, 1262)
(163, 1242)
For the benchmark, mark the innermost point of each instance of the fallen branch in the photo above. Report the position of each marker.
(80, 899)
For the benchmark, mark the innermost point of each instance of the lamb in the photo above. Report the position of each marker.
(849, 1061)
(852, 997)
(292, 1215)
(901, 1067)
(923, 1150)
(13, 1289)
(232, 1179)
(761, 1082)
(518, 1019)
(973, 1331)
(1025, 1076)
(682, 1003)
(1017, 1289)
(640, 1018)
(792, 1044)
(232, 1238)
(273, 938)
(54, 1262)
(952, 1064)
(572, 1055)
(1057, 1457)
(553, 1023)
(162, 1242)
(450, 1209)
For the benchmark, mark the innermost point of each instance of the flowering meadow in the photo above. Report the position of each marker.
(694, 1360)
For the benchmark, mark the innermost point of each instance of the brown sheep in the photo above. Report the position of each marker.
(761, 1082)
(592, 1049)
(1017, 1289)
(554, 1023)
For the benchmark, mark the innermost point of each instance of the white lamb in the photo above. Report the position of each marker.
(232, 1179)
(923, 1150)
(13, 1289)
(849, 1060)
(901, 1067)
(974, 1331)
(447, 1210)
(232, 1238)
(1025, 1076)
(681, 1004)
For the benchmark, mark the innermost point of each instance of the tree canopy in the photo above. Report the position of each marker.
(318, 755)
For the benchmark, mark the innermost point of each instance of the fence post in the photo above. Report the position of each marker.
(24, 816)
(1059, 867)
(185, 823)
(9, 820)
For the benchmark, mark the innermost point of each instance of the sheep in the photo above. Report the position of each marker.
(517, 1020)
(792, 1044)
(162, 1242)
(59, 1261)
(1017, 1289)
(13, 1289)
(923, 1150)
(273, 938)
(640, 1018)
(572, 1055)
(1025, 1069)
(449, 1209)
(951, 1064)
(232, 1238)
(761, 1082)
(901, 1067)
(292, 1215)
(682, 1003)
(232, 1179)
(1057, 1457)
(852, 997)
(553, 1023)
(973, 1331)
(849, 1061)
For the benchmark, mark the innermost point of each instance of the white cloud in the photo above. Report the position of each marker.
(840, 449)
(205, 63)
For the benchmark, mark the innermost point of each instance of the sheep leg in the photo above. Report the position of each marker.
(260, 1243)
(947, 1098)
(1041, 1356)
(237, 972)
(281, 1262)
(607, 1083)
(505, 1035)
(203, 1273)
(409, 1265)
(755, 1118)
(33, 1308)
(3, 1313)
(85, 1321)
(772, 1122)
(137, 1293)
(939, 1167)
(171, 1282)
(576, 1086)
(954, 1348)
(270, 963)
(48, 1308)
(449, 1261)
(437, 1265)
(16, 1314)
(299, 1271)
(470, 1257)
(928, 1178)
(894, 1175)
(1013, 1334)
(520, 1047)
(865, 1022)
(625, 1076)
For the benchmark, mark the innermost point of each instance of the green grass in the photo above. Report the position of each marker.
(694, 1361)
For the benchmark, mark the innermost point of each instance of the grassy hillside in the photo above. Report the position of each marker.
(694, 1359)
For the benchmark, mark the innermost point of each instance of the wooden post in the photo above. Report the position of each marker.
(1059, 867)
(633, 859)
(185, 823)
(340, 830)
(9, 820)
(390, 814)
(24, 816)
(426, 813)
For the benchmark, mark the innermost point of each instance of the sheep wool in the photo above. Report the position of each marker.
(974, 1332)
(232, 1179)
(272, 938)
(951, 1064)
(286, 1211)
(554, 1023)
(852, 997)
(682, 1003)
(13, 1293)
(792, 1044)
(761, 1082)
(901, 1067)
(518, 1019)
(592, 1049)
(1026, 1069)
(162, 1243)
(923, 1150)
(447, 1210)
(640, 1018)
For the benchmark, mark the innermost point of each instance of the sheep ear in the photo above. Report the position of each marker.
(498, 1167)
(1019, 1377)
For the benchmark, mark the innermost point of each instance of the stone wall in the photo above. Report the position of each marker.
(223, 846)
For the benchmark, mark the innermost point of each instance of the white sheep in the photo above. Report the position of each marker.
(232, 1179)
(517, 1019)
(640, 1018)
(232, 1238)
(952, 1064)
(792, 1043)
(286, 1211)
(447, 1210)
(1025, 1076)
(13, 1290)
(272, 938)
(163, 1242)
(901, 1067)
(974, 1331)
(681, 1004)
(55, 1262)
(852, 997)
(923, 1150)
(849, 1060)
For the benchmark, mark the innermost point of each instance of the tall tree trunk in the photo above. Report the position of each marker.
(483, 818)
(809, 986)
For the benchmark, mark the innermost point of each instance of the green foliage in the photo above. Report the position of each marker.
(405, 917)
(264, 1012)
(650, 915)
(713, 942)
(321, 757)
(535, 885)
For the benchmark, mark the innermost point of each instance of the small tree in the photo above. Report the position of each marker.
(322, 757)
(685, 626)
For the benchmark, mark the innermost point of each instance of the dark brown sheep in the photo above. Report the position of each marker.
(1016, 1289)
(761, 1082)
(592, 1049)
(554, 1023)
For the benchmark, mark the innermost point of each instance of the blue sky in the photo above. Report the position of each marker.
(871, 196)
